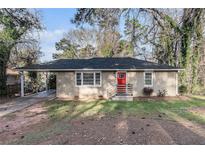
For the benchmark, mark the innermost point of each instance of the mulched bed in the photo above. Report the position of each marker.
(166, 98)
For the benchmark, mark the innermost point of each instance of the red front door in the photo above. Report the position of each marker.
(121, 78)
(121, 83)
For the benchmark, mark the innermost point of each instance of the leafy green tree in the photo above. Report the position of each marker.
(69, 49)
(14, 23)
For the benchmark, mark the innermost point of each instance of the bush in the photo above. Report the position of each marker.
(198, 90)
(162, 93)
(101, 97)
(76, 97)
(147, 91)
(182, 89)
(52, 81)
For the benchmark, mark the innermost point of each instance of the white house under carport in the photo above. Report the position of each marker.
(108, 77)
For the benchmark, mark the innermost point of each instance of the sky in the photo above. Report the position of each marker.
(57, 23)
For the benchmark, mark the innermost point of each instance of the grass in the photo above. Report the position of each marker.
(71, 109)
(193, 117)
(60, 112)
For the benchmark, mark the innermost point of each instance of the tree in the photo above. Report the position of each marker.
(77, 43)
(107, 23)
(86, 43)
(174, 36)
(26, 53)
(15, 24)
(182, 47)
(69, 49)
(124, 48)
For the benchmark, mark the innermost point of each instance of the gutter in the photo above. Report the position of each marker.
(65, 70)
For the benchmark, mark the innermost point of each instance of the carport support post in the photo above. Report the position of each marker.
(47, 82)
(22, 83)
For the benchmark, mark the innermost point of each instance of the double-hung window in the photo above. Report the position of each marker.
(148, 79)
(88, 78)
(78, 79)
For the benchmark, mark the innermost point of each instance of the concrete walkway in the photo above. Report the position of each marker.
(23, 102)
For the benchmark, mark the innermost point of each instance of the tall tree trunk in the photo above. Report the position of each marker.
(2, 79)
(176, 54)
(4, 58)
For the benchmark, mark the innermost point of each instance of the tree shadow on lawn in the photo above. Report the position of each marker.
(193, 131)
(197, 98)
(177, 111)
(61, 112)
(71, 109)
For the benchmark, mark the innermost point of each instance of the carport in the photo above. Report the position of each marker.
(22, 80)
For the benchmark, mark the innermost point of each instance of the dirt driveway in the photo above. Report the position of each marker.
(33, 125)
(20, 103)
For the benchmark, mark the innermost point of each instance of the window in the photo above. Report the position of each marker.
(88, 78)
(148, 79)
(78, 79)
(97, 78)
(121, 75)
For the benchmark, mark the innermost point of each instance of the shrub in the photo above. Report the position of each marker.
(162, 93)
(182, 89)
(52, 81)
(147, 91)
(198, 89)
(76, 97)
(101, 97)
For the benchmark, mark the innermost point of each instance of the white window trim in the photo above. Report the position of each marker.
(93, 79)
(76, 79)
(151, 80)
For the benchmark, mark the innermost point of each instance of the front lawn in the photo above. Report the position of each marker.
(107, 122)
(152, 108)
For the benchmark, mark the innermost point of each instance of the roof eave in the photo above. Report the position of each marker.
(86, 69)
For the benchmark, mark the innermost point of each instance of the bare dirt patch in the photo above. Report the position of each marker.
(14, 125)
(34, 125)
(125, 130)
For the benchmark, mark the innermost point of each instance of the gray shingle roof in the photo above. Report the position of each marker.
(99, 63)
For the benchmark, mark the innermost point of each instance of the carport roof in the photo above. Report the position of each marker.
(114, 63)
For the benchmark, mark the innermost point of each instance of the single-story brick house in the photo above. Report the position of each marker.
(108, 77)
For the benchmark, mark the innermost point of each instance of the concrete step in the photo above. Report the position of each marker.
(122, 98)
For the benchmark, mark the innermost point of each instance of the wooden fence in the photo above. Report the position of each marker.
(13, 90)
